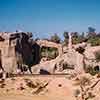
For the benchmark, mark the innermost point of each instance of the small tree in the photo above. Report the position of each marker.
(66, 37)
(55, 38)
(75, 34)
(75, 37)
(91, 32)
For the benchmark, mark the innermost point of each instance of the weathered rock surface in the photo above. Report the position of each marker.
(46, 43)
(15, 50)
(72, 60)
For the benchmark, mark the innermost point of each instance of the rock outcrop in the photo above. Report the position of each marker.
(15, 50)
(45, 43)
(18, 49)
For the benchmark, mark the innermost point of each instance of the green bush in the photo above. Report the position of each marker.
(50, 53)
(95, 41)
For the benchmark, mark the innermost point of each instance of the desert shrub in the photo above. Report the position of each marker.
(84, 81)
(97, 56)
(77, 93)
(91, 70)
(95, 41)
(55, 38)
(50, 53)
(75, 40)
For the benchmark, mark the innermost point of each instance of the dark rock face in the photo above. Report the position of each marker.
(44, 72)
(80, 50)
(36, 52)
(24, 49)
(18, 49)
(97, 68)
(27, 51)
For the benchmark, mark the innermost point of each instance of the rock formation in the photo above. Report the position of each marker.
(76, 58)
(15, 50)
(8, 59)
(45, 43)
(18, 50)
(71, 59)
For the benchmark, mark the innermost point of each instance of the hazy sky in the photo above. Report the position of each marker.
(45, 17)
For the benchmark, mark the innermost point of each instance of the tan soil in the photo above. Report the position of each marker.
(59, 88)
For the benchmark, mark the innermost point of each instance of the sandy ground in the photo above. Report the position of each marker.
(59, 88)
(22, 97)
